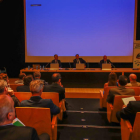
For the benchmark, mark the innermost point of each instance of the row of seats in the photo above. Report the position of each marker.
(40, 118)
(127, 131)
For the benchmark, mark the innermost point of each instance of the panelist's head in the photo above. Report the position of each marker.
(122, 80)
(7, 110)
(77, 56)
(132, 77)
(56, 57)
(36, 87)
(27, 80)
(105, 58)
(56, 78)
(3, 87)
(21, 76)
(37, 75)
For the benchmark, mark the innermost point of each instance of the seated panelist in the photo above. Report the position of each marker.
(56, 60)
(78, 60)
(105, 61)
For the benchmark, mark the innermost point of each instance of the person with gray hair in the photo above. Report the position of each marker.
(133, 81)
(4, 91)
(36, 87)
(8, 131)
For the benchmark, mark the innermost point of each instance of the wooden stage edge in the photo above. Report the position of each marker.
(82, 92)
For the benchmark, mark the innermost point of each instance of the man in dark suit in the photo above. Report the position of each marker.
(129, 112)
(10, 132)
(121, 90)
(78, 60)
(26, 86)
(56, 86)
(37, 76)
(56, 60)
(4, 91)
(105, 61)
(36, 87)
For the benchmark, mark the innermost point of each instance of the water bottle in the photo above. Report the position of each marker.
(43, 67)
(28, 67)
(37, 67)
(40, 67)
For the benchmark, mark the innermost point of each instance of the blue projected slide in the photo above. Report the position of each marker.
(86, 27)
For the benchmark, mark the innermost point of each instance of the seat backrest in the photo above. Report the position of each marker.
(51, 95)
(136, 89)
(23, 95)
(14, 86)
(38, 118)
(136, 127)
(106, 92)
(118, 103)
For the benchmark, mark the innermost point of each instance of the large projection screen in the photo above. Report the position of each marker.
(90, 28)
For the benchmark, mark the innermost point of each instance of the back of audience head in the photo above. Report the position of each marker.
(112, 79)
(21, 76)
(132, 77)
(3, 87)
(5, 77)
(122, 80)
(37, 74)
(7, 111)
(27, 80)
(36, 86)
(56, 77)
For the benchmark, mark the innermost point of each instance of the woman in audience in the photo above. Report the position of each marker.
(112, 80)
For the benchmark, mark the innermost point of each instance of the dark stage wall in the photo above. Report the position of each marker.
(12, 50)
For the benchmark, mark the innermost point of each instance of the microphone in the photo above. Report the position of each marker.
(48, 64)
(112, 65)
(69, 64)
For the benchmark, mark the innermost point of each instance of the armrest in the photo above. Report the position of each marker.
(111, 106)
(54, 127)
(109, 111)
(126, 130)
(101, 99)
(60, 104)
(54, 120)
(63, 104)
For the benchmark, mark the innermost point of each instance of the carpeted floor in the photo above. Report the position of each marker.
(86, 122)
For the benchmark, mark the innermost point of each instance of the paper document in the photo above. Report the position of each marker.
(126, 100)
(17, 122)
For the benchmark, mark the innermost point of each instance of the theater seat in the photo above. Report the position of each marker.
(129, 133)
(14, 86)
(117, 106)
(103, 97)
(40, 119)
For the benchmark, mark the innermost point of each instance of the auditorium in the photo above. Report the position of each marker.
(70, 70)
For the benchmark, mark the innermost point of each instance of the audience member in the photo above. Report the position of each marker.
(56, 86)
(78, 60)
(37, 76)
(36, 87)
(133, 82)
(129, 112)
(21, 77)
(26, 86)
(10, 132)
(112, 80)
(56, 60)
(4, 91)
(121, 90)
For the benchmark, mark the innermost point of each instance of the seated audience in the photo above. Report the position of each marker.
(106, 61)
(129, 112)
(37, 76)
(56, 60)
(133, 82)
(36, 87)
(10, 132)
(26, 86)
(78, 60)
(121, 90)
(4, 91)
(21, 77)
(56, 86)
(112, 80)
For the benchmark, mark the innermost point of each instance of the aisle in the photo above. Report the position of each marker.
(86, 122)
